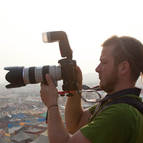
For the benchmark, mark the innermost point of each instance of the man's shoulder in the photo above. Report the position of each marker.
(122, 120)
(116, 120)
(124, 105)
(121, 111)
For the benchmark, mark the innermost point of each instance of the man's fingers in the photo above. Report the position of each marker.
(49, 80)
(78, 69)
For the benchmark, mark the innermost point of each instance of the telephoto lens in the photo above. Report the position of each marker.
(20, 76)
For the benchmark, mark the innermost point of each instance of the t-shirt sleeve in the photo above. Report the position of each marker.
(110, 126)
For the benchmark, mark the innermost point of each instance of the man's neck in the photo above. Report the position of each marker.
(121, 87)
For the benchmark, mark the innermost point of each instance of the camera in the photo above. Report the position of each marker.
(66, 71)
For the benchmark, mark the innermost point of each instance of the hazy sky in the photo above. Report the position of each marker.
(87, 23)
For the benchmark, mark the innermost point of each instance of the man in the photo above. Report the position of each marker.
(119, 68)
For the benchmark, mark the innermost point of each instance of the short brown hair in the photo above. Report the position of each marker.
(129, 49)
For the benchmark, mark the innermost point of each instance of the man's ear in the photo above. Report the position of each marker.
(124, 67)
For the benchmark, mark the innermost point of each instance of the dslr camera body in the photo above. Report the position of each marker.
(66, 71)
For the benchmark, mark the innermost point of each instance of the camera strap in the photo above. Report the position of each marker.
(121, 97)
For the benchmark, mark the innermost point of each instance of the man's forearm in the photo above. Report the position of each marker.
(57, 133)
(73, 112)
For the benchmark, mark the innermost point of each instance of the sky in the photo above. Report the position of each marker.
(87, 24)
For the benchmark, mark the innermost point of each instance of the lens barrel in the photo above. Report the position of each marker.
(32, 75)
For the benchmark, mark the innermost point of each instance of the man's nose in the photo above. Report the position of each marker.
(97, 68)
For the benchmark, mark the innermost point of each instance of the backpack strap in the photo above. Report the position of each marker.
(120, 97)
(127, 100)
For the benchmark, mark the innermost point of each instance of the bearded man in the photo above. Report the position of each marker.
(117, 118)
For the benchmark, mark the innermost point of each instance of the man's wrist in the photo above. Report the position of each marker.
(77, 92)
(53, 106)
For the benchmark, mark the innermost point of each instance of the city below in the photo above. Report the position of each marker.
(23, 115)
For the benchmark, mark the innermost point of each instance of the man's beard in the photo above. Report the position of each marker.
(110, 83)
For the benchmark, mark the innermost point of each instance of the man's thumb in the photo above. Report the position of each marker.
(49, 79)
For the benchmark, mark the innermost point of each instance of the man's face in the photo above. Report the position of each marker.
(108, 72)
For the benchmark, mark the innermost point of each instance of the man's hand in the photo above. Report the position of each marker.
(79, 78)
(49, 96)
(49, 93)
